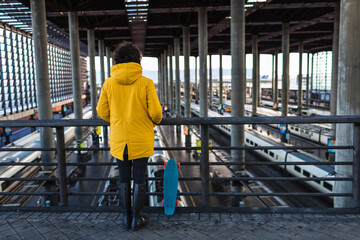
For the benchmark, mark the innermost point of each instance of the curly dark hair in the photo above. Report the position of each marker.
(127, 52)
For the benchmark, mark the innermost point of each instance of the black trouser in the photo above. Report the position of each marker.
(139, 167)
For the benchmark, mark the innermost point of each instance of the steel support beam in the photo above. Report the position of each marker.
(38, 13)
(238, 88)
(285, 76)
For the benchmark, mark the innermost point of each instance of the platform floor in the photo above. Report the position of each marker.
(95, 225)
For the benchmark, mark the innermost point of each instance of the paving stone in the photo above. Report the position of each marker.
(73, 216)
(113, 215)
(64, 215)
(4, 226)
(181, 226)
(194, 217)
(32, 233)
(103, 216)
(53, 234)
(83, 216)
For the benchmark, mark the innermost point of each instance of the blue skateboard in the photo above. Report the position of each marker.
(171, 180)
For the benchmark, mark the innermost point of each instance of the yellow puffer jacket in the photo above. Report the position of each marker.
(129, 102)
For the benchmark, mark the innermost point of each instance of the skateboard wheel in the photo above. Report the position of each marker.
(178, 164)
(163, 202)
(165, 164)
(177, 202)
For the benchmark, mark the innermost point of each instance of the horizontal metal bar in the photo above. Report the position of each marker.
(115, 193)
(179, 210)
(280, 179)
(28, 179)
(29, 193)
(225, 148)
(26, 149)
(26, 164)
(115, 179)
(285, 194)
(188, 121)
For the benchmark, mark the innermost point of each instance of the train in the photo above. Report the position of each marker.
(319, 133)
(255, 139)
(160, 156)
(31, 141)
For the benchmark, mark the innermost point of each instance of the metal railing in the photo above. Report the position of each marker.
(204, 123)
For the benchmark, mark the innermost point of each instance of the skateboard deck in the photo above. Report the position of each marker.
(171, 180)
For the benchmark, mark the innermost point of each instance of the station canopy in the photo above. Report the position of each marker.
(153, 24)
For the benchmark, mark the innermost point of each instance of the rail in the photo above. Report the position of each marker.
(204, 123)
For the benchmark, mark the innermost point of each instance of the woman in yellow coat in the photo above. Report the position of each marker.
(129, 102)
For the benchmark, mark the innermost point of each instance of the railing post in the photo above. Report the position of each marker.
(61, 171)
(356, 166)
(204, 165)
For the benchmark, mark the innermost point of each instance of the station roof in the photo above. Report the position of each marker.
(153, 24)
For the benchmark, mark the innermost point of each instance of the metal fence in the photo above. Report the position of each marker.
(204, 123)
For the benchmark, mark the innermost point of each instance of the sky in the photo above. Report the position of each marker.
(150, 66)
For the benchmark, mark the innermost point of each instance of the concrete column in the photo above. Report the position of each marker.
(220, 76)
(166, 82)
(161, 72)
(102, 78)
(159, 78)
(196, 81)
(285, 76)
(300, 92)
(76, 71)
(101, 56)
(38, 19)
(171, 83)
(348, 102)
(203, 49)
(255, 77)
(108, 60)
(335, 59)
(238, 87)
(177, 75)
(187, 88)
(210, 83)
(307, 79)
(312, 76)
(258, 82)
(273, 76)
(93, 87)
(276, 97)
(186, 51)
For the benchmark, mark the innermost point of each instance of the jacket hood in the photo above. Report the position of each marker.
(126, 73)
